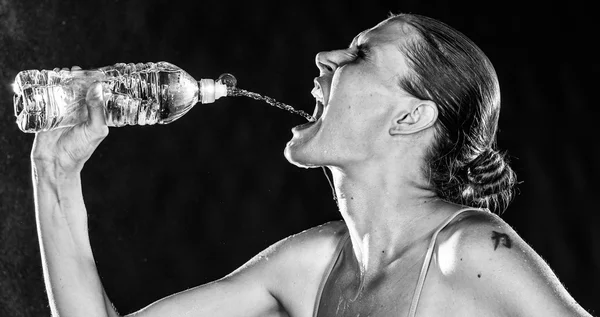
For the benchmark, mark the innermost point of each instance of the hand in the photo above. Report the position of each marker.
(67, 149)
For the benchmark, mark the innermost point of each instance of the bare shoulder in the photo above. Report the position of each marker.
(282, 280)
(481, 253)
(483, 241)
(317, 241)
(312, 245)
(292, 268)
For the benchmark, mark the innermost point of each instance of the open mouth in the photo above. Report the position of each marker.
(317, 93)
(318, 112)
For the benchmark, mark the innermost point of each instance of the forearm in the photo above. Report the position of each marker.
(70, 274)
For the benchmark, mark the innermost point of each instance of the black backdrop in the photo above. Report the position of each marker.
(174, 206)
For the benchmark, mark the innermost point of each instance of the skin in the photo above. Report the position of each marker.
(372, 136)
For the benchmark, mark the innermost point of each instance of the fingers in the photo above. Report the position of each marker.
(96, 122)
(66, 69)
(75, 69)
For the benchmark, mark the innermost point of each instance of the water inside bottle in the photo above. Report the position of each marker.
(135, 94)
(44, 99)
(234, 91)
(146, 94)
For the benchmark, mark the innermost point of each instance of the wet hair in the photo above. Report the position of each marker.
(462, 164)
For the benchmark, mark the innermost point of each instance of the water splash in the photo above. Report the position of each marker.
(234, 92)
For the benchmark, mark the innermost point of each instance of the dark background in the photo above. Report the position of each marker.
(175, 206)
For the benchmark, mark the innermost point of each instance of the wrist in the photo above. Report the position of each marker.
(52, 171)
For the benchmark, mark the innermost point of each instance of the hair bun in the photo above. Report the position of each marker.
(485, 167)
(489, 174)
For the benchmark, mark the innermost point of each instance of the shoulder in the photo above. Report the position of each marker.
(478, 233)
(319, 242)
(309, 252)
(292, 269)
(305, 254)
(481, 253)
(480, 240)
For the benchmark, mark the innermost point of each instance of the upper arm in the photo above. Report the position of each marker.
(505, 272)
(220, 298)
(262, 286)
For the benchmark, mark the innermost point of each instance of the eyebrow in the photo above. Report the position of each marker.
(356, 38)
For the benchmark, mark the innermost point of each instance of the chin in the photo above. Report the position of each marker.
(296, 154)
(300, 150)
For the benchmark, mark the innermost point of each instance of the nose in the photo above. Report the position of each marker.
(325, 62)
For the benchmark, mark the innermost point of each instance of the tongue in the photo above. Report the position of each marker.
(317, 113)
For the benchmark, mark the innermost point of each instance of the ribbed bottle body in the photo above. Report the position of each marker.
(134, 94)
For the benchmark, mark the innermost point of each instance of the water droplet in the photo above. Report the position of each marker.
(228, 80)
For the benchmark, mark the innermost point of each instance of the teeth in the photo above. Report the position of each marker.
(318, 94)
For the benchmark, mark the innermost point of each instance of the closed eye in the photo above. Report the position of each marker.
(361, 52)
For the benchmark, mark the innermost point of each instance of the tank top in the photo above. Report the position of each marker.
(422, 275)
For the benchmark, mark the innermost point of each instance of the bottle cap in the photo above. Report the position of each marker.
(211, 90)
(220, 90)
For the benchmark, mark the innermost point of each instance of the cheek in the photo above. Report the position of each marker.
(347, 132)
(357, 113)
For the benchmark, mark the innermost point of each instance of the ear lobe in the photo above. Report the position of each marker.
(423, 115)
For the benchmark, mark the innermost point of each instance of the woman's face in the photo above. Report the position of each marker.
(357, 96)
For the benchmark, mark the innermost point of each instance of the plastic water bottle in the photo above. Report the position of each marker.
(134, 94)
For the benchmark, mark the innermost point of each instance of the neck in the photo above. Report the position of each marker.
(386, 213)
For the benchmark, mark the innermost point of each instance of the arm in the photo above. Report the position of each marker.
(70, 275)
(506, 273)
(280, 281)
(57, 157)
(74, 287)
(282, 278)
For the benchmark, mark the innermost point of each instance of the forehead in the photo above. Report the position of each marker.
(388, 31)
(384, 43)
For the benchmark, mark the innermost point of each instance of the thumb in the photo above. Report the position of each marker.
(95, 104)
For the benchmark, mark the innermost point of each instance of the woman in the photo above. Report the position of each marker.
(407, 117)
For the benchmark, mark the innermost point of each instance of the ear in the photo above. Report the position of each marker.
(422, 116)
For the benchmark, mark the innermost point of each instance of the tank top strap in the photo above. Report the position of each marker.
(334, 259)
(421, 281)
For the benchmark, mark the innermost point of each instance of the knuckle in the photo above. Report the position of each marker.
(103, 131)
(96, 133)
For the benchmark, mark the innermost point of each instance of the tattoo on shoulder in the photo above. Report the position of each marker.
(501, 238)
